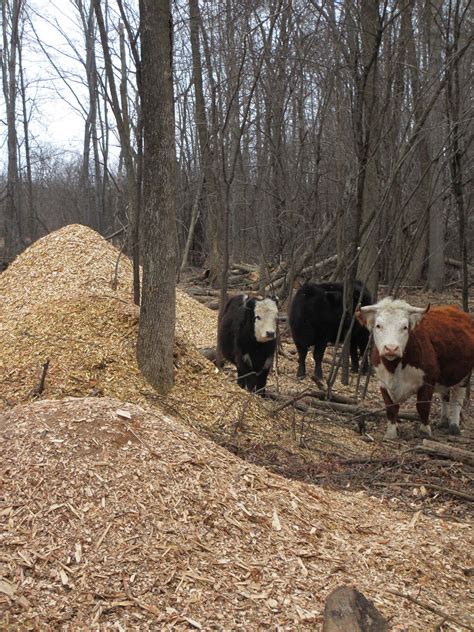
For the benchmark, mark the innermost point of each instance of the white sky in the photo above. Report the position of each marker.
(56, 119)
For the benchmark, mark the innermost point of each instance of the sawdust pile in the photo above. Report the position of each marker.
(116, 517)
(58, 304)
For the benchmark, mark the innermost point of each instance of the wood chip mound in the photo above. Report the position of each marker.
(58, 303)
(114, 516)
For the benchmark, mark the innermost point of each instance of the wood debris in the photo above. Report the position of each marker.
(173, 530)
(116, 510)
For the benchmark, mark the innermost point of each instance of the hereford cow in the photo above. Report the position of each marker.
(421, 350)
(315, 315)
(247, 338)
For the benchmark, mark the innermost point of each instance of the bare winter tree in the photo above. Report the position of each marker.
(8, 63)
(157, 314)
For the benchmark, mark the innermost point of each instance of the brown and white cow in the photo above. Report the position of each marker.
(419, 351)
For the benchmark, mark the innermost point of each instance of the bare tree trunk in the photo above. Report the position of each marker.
(192, 224)
(211, 187)
(436, 265)
(157, 314)
(420, 217)
(453, 109)
(123, 127)
(368, 102)
(29, 231)
(10, 15)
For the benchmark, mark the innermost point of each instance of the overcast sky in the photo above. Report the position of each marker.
(56, 117)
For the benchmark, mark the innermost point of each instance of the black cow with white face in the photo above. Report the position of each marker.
(315, 316)
(247, 338)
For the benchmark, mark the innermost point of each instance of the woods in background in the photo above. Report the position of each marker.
(304, 130)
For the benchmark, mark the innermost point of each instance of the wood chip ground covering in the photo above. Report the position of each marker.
(118, 517)
(100, 532)
(58, 304)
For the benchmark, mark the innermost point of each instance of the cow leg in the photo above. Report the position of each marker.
(261, 378)
(362, 352)
(242, 371)
(318, 354)
(391, 410)
(423, 406)
(354, 356)
(456, 401)
(245, 373)
(302, 353)
(445, 411)
(261, 382)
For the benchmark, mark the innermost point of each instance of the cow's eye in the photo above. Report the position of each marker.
(405, 327)
(257, 318)
(378, 326)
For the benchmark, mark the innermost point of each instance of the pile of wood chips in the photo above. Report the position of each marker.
(58, 304)
(116, 517)
(115, 513)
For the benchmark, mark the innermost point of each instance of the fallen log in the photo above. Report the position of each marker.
(333, 397)
(448, 451)
(203, 299)
(196, 290)
(356, 410)
(314, 402)
(454, 263)
(245, 268)
(279, 282)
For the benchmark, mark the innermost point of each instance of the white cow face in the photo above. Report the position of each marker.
(266, 313)
(391, 322)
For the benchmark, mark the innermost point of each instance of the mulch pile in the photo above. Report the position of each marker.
(58, 304)
(116, 511)
(117, 517)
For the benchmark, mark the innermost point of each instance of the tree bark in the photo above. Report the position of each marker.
(11, 228)
(157, 313)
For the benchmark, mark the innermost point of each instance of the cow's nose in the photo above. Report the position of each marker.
(270, 334)
(391, 349)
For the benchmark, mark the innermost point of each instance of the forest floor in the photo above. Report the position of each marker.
(116, 510)
(324, 446)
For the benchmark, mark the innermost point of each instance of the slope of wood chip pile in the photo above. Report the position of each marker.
(118, 517)
(58, 304)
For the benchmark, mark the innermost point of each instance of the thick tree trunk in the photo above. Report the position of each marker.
(157, 313)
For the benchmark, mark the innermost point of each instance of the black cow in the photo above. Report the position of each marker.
(247, 338)
(315, 316)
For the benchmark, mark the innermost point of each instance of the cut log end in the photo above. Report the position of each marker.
(347, 610)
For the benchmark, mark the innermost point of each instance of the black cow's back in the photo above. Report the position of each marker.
(315, 317)
(231, 321)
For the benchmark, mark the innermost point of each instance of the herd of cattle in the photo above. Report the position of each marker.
(415, 350)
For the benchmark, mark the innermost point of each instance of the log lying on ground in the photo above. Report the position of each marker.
(306, 403)
(347, 610)
(454, 454)
(245, 268)
(454, 263)
(279, 282)
(197, 290)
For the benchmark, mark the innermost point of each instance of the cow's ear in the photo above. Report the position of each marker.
(366, 316)
(416, 316)
(249, 303)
